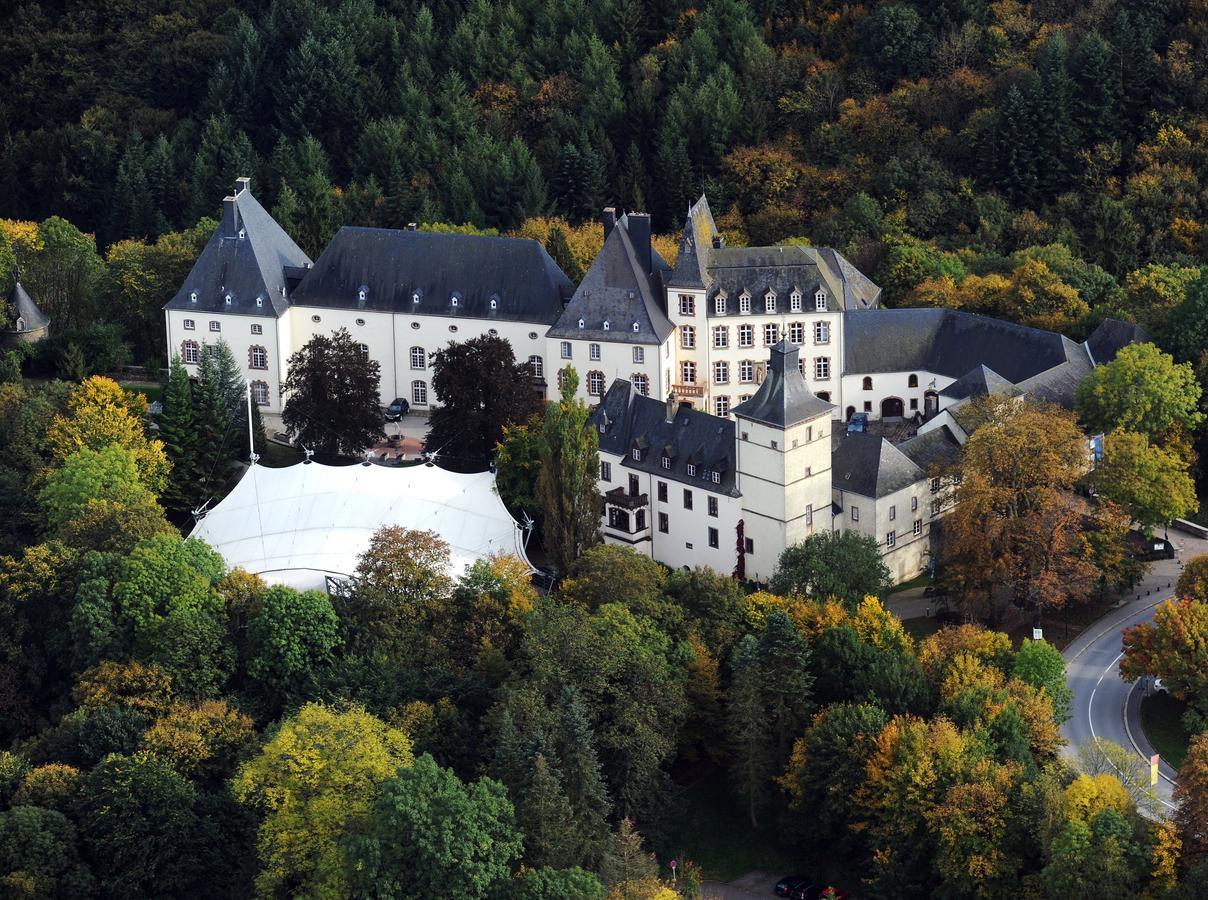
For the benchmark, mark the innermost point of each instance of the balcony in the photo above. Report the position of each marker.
(689, 390)
(619, 498)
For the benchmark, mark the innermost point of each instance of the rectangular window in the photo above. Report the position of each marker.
(714, 539)
(822, 367)
(566, 349)
(771, 334)
(664, 523)
(537, 366)
(721, 372)
(687, 499)
(365, 351)
(795, 302)
(260, 393)
(419, 358)
(721, 406)
(190, 351)
(691, 470)
(605, 471)
(914, 402)
(935, 507)
(914, 504)
(190, 324)
(715, 476)
(822, 332)
(713, 507)
(935, 485)
(820, 301)
(809, 513)
(662, 492)
(419, 393)
(257, 358)
(769, 303)
(687, 337)
(868, 406)
(633, 485)
(639, 354)
(746, 335)
(721, 337)
(636, 454)
(797, 333)
(750, 545)
(746, 371)
(688, 372)
(891, 538)
(687, 305)
(593, 351)
(257, 328)
(667, 462)
(719, 305)
(215, 326)
(918, 526)
(855, 514)
(893, 512)
(744, 305)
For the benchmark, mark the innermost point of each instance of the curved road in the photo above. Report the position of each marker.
(1104, 705)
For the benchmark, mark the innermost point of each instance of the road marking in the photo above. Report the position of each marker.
(1091, 720)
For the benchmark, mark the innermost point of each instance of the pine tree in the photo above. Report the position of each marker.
(566, 487)
(751, 743)
(178, 431)
(545, 817)
(220, 412)
(1052, 98)
(784, 659)
(627, 860)
(633, 181)
(162, 186)
(1014, 147)
(287, 211)
(1097, 77)
(583, 780)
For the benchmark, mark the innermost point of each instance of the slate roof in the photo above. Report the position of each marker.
(732, 270)
(691, 437)
(618, 290)
(979, 381)
(869, 465)
(1111, 336)
(695, 245)
(384, 269)
(784, 399)
(245, 260)
(22, 306)
(1060, 383)
(935, 449)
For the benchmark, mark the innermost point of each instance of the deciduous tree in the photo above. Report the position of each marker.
(845, 565)
(1151, 484)
(1191, 802)
(1142, 390)
(332, 396)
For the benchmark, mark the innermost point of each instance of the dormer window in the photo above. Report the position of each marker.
(229, 299)
(715, 476)
(636, 453)
(362, 294)
(769, 302)
(242, 234)
(453, 301)
(744, 303)
(820, 300)
(666, 462)
(719, 305)
(494, 302)
(20, 324)
(193, 297)
(582, 323)
(691, 470)
(635, 326)
(415, 297)
(795, 301)
(260, 301)
(605, 324)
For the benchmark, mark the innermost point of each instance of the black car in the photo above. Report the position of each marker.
(397, 409)
(789, 883)
(808, 891)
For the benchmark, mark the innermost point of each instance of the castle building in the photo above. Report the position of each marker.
(763, 355)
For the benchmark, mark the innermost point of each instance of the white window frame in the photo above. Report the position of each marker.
(822, 332)
(795, 301)
(593, 352)
(721, 337)
(721, 406)
(567, 350)
(260, 393)
(918, 527)
(744, 303)
(746, 371)
(639, 354)
(772, 329)
(820, 301)
(721, 372)
(419, 359)
(215, 325)
(769, 302)
(641, 383)
(687, 372)
(719, 305)
(746, 335)
(419, 392)
(797, 333)
(687, 337)
(821, 368)
(687, 305)
(891, 539)
(855, 514)
(537, 366)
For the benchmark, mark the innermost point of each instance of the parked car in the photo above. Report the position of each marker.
(816, 890)
(1159, 688)
(790, 883)
(397, 409)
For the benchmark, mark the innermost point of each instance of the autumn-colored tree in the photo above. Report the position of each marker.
(314, 781)
(1191, 802)
(99, 413)
(607, 573)
(1172, 647)
(936, 653)
(1193, 580)
(200, 740)
(1016, 522)
(52, 786)
(147, 688)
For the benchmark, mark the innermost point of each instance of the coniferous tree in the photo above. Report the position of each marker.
(545, 817)
(752, 750)
(1014, 147)
(583, 780)
(559, 250)
(566, 487)
(1097, 76)
(1052, 99)
(784, 659)
(178, 431)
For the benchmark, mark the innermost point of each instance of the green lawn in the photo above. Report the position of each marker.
(920, 580)
(150, 391)
(1161, 717)
(706, 825)
(922, 627)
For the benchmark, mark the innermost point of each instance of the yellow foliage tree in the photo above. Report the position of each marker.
(147, 688)
(938, 651)
(314, 780)
(201, 739)
(99, 413)
(1089, 795)
(53, 786)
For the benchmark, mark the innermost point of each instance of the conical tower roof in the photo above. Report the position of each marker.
(784, 399)
(21, 307)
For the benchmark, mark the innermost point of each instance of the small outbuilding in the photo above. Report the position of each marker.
(24, 322)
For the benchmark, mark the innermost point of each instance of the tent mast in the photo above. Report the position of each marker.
(251, 439)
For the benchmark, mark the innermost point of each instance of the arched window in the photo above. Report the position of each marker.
(419, 393)
(260, 393)
(190, 352)
(641, 383)
(824, 395)
(867, 383)
(595, 383)
(537, 366)
(419, 359)
(257, 358)
(912, 381)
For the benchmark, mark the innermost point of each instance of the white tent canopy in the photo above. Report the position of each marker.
(300, 524)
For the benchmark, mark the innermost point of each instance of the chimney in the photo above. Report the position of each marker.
(718, 242)
(242, 184)
(639, 236)
(230, 217)
(609, 219)
(672, 406)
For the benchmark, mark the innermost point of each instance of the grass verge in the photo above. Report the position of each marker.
(1162, 719)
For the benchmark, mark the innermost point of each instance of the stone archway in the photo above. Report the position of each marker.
(848, 413)
(892, 408)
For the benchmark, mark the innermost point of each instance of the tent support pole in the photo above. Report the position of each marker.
(251, 438)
